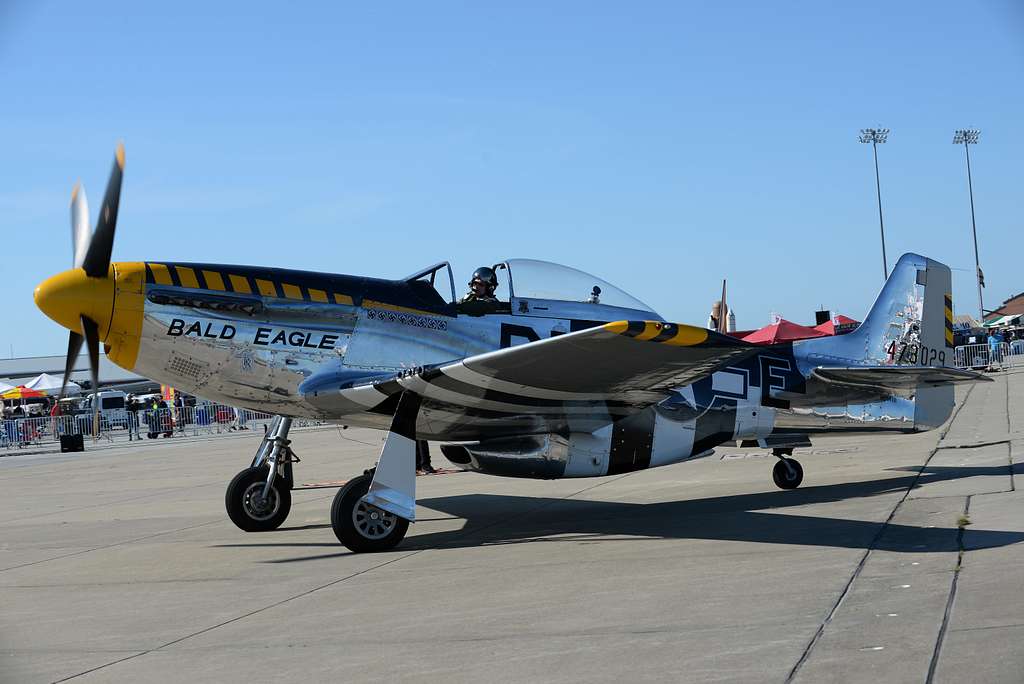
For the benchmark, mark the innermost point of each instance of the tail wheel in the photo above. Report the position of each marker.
(360, 526)
(248, 509)
(788, 473)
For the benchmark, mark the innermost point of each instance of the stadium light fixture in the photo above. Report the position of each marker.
(877, 136)
(966, 137)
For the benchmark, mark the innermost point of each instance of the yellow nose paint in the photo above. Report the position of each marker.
(67, 296)
(115, 303)
(129, 305)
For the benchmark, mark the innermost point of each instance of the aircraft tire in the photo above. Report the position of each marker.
(364, 528)
(785, 479)
(247, 516)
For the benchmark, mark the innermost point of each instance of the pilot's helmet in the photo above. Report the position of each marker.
(486, 276)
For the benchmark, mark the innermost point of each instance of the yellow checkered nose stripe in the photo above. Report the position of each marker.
(233, 280)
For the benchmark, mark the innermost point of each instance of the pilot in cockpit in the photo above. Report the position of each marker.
(482, 286)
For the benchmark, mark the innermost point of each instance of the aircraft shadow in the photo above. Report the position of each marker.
(495, 519)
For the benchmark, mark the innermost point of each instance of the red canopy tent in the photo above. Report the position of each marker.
(840, 322)
(783, 331)
(22, 392)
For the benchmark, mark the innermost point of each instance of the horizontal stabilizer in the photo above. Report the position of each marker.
(901, 380)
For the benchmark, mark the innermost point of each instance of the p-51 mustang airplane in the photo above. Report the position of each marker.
(564, 375)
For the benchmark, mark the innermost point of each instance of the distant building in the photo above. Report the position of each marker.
(716, 312)
(716, 315)
(1011, 307)
(964, 322)
(17, 371)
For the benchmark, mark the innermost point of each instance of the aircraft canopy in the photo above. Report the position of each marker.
(534, 279)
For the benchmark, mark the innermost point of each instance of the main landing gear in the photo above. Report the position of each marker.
(260, 497)
(787, 473)
(362, 526)
(372, 512)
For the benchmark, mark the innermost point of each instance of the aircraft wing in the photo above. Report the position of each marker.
(612, 360)
(576, 381)
(899, 380)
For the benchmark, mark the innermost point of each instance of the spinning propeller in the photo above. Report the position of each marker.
(92, 255)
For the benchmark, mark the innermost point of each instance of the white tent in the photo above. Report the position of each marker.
(51, 385)
(1003, 320)
(4, 387)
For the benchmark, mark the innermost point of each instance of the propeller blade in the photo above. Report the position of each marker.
(92, 343)
(74, 346)
(97, 258)
(80, 232)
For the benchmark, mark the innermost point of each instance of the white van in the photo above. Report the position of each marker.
(112, 407)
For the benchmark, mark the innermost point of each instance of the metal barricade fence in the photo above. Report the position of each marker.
(984, 356)
(1015, 356)
(198, 420)
(201, 419)
(17, 432)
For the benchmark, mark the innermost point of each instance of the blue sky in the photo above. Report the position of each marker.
(661, 146)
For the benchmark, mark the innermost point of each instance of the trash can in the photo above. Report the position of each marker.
(71, 443)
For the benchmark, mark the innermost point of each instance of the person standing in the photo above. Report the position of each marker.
(423, 466)
(240, 418)
(133, 417)
(153, 420)
(55, 422)
(166, 419)
(179, 411)
(995, 341)
(10, 427)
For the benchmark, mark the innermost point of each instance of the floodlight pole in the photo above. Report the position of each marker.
(881, 225)
(969, 137)
(875, 136)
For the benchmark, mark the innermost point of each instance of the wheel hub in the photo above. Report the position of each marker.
(256, 507)
(373, 522)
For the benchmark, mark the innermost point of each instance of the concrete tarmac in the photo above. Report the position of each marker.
(899, 559)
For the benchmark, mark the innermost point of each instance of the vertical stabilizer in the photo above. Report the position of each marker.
(910, 324)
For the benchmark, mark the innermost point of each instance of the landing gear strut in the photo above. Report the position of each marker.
(259, 498)
(787, 473)
(372, 512)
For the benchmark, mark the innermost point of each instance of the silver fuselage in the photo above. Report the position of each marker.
(265, 359)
